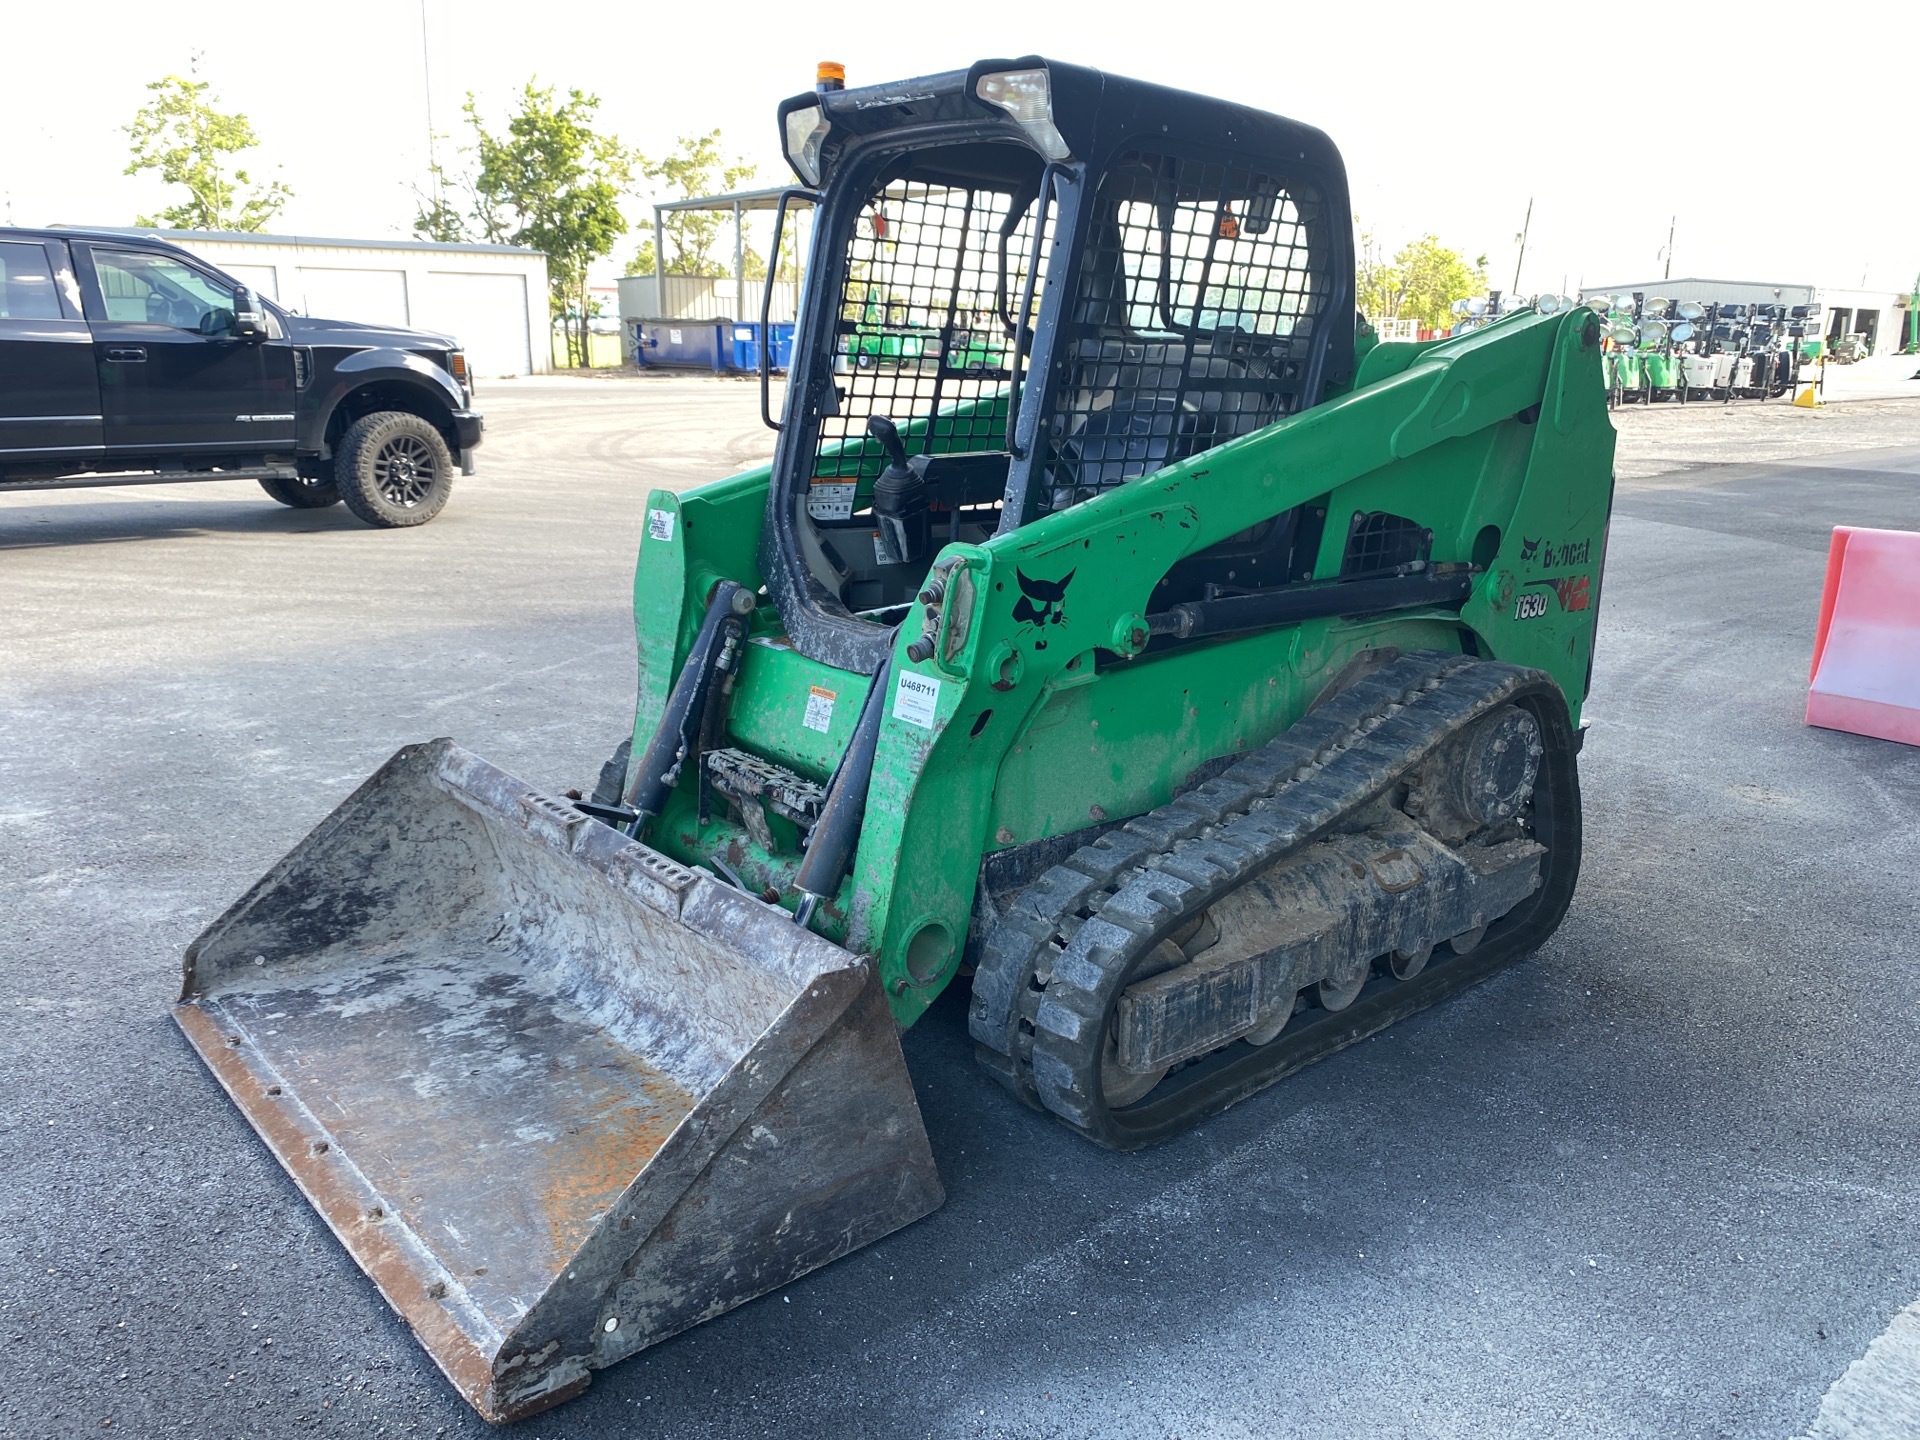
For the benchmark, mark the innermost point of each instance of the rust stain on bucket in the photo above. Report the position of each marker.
(629, 1117)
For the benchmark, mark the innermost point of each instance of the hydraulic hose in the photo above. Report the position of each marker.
(715, 654)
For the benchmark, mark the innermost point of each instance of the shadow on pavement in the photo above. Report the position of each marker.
(123, 517)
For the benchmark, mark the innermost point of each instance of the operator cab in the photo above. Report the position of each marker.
(1031, 283)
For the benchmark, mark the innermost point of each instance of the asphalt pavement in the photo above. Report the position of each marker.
(1656, 1181)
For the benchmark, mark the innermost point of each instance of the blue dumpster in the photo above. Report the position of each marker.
(705, 344)
(745, 343)
(743, 351)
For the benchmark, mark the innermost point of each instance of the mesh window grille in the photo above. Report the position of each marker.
(921, 325)
(1380, 544)
(1197, 304)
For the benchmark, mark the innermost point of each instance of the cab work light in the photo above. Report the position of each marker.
(806, 133)
(1027, 96)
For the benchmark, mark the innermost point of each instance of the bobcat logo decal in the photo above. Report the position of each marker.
(1041, 602)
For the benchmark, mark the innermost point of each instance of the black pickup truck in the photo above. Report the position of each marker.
(124, 359)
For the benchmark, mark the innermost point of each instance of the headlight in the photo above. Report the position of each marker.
(806, 133)
(1026, 95)
(457, 365)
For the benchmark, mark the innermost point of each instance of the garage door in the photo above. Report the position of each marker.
(486, 313)
(261, 279)
(373, 297)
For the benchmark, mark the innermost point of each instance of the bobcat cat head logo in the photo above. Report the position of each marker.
(1528, 549)
(1041, 602)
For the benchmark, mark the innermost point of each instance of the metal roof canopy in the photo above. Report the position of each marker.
(738, 202)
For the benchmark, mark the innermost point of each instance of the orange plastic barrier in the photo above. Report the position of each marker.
(1866, 653)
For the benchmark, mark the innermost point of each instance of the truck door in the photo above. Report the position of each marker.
(174, 379)
(49, 395)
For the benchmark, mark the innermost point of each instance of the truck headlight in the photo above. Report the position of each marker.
(457, 366)
(806, 132)
(1027, 96)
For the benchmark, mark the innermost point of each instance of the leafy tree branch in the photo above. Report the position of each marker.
(548, 181)
(181, 133)
(1420, 283)
(696, 167)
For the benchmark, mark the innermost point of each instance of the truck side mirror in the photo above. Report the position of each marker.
(249, 323)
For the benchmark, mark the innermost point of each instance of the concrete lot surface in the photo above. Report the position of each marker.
(1657, 1181)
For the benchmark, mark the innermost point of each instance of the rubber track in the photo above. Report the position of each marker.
(1051, 968)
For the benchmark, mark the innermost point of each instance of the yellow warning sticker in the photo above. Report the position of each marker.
(819, 714)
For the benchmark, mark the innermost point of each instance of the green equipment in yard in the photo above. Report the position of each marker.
(1658, 368)
(1629, 375)
(1198, 686)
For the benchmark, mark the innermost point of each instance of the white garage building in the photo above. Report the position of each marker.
(492, 298)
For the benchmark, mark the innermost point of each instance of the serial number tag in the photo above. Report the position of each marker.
(830, 502)
(660, 525)
(916, 699)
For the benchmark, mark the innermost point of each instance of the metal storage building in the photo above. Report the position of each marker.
(492, 298)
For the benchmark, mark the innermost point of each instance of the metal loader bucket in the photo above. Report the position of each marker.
(559, 1096)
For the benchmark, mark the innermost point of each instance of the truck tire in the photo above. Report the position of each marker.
(393, 469)
(305, 492)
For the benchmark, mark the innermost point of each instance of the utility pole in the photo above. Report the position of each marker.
(426, 74)
(1525, 226)
(1667, 274)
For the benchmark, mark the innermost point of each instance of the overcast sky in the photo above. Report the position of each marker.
(1781, 136)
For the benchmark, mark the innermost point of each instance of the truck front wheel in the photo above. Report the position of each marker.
(393, 469)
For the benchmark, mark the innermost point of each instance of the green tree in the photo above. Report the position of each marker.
(789, 266)
(551, 182)
(1375, 281)
(1420, 283)
(642, 262)
(436, 215)
(695, 168)
(181, 133)
(1432, 278)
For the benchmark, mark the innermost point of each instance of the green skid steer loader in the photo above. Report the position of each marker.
(1195, 679)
